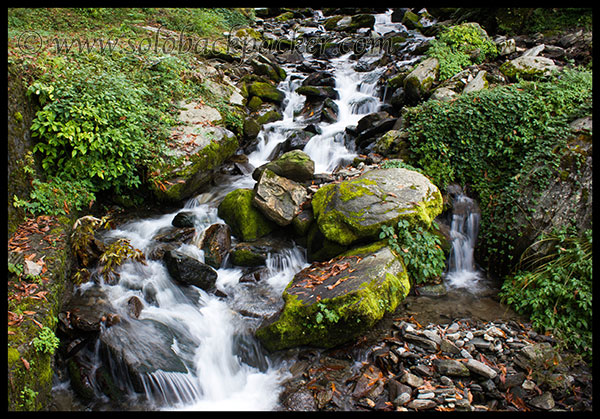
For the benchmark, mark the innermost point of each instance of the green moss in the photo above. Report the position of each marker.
(333, 321)
(266, 92)
(246, 221)
(270, 116)
(254, 103)
(246, 257)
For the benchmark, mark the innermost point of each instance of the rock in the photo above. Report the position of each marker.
(318, 92)
(505, 46)
(255, 253)
(246, 221)
(295, 165)
(419, 81)
(447, 346)
(184, 219)
(135, 306)
(351, 293)
(266, 92)
(303, 221)
(319, 78)
(269, 116)
(201, 149)
(528, 67)
(422, 404)
(451, 367)
(189, 271)
(251, 128)
(478, 83)
(412, 380)
(356, 209)
(279, 198)
(216, 244)
(443, 94)
(480, 368)
(174, 235)
(544, 401)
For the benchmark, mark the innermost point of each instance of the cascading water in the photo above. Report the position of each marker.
(464, 227)
(197, 347)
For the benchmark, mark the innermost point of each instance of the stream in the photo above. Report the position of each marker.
(198, 347)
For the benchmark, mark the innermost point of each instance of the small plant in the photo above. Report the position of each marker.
(419, 248)
(326, 314)
(114, 256)
(27, 399)
(555, 289)
(460, 46)
(46, 341)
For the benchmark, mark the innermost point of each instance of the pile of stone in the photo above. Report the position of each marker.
(461, 366)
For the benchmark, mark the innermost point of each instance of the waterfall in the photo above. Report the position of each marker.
(464, 227)
(216, 363)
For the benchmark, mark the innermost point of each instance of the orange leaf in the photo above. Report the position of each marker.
(25, 363)
(29, 313)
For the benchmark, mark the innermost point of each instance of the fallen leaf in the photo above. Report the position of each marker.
(25, 363)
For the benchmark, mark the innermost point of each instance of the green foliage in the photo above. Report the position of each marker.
(419, 248)
(115, 255)
(491, 138)
(556, 289)
(46, 341)
(57, 196)
(27, 399)
(325, 314)
(460, 46)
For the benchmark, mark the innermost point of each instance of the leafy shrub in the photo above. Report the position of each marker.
(419, 248)
(57, 196)
(556, 289)
(491, 138)
(460, 46)
(46, 341)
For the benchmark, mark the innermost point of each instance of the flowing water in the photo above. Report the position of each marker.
(197, 347)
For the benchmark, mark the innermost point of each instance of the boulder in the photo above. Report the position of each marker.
(419, 81)
(295, 165)
(216, 244)
(246, 221)
(189, 271)
(279, 198)
(266, 92)
(528, 67)
(333, 302)
(198, 148)
(255, 253)
(355, 209)
(478, 83)
(318, 92)
(184, 219)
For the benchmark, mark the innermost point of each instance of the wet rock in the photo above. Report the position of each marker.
(216, 244)
(135, 306)
(279, 198)
(295, 165)
(184, 219)
(175, 235)
(246, 221)
(266, 92)
(189, 271)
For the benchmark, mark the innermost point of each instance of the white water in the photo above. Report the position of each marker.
(462, 272)
(226, 368)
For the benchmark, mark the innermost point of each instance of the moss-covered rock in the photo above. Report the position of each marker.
(331, 303)
(356, 209)
(265, 91)
(528, 67)
(295, 165)
(30, 366)
(419, 81)
(246, 221)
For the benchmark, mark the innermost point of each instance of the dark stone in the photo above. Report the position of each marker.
(184, 219)
(189, 271)
(216, 244)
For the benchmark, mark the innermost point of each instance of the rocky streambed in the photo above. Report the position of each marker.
(230, 301)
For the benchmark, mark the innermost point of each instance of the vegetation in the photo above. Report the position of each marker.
(489, 139)
(460, 46)
(555, 289)
(106, 104)
(419, 248)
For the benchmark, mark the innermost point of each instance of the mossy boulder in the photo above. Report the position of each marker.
(333, 302)
(295, 165)
(418, 82)
(279, 198)
(528, 67)
(266, 92)
(356, 209)
(246, 221)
